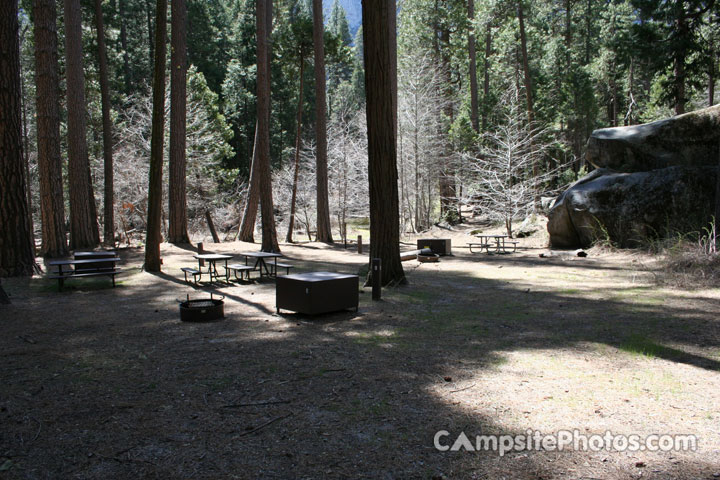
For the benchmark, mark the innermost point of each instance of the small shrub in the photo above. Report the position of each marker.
(692, 259)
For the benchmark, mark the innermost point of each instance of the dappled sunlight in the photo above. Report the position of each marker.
(474, 343)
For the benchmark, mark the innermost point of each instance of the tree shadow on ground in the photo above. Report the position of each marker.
(345, 395)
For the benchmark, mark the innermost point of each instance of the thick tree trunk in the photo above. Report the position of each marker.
(247, 225)
(109, 202)
(473, 68)
(264, 18)
(324, 232)
(298, 131)
(26, 142)
(16, 249)
(526, 65)
(84, 231)
(154, 215)
(47, 90)
(382, 151)
(177, 198)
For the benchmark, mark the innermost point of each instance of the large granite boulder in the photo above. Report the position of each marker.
(629, 208)
(690, 139)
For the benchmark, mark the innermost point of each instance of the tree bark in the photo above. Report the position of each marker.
(109, 202)
(473, 68)
(324, 232)
(717, 205)
(298, 139)
(682, 32)
(84, 231)
(177, 197)
(711, 80)
(247, 225)
(486, 75)
(124, 45)
(263, 21)
(154, 215)
(16, 249)
(382, 150)
(526, 64)
(47, 90)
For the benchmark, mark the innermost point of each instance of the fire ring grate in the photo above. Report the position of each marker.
(202, 310)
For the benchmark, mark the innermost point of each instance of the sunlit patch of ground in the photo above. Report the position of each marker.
(108, 383)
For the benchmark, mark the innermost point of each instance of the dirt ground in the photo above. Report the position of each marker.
(101, 382)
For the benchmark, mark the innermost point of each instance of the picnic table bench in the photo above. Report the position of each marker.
(88, 267)
(498, 242)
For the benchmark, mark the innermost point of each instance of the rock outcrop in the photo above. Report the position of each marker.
(629, 208)
(651, 180)
(690, 139)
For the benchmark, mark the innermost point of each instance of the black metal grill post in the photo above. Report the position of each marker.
(376, 279)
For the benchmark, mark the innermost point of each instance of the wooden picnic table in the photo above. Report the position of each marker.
(498, 241)
(84, 268)
(212, 259)
(261, 264)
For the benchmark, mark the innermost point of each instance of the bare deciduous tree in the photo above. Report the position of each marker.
(504, 180)
(421, 106)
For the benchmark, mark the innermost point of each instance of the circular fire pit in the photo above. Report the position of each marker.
(202, 310)
(431, 258)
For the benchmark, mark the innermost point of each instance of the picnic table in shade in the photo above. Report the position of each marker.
(212, 259)
(260, 262)
(84, 268)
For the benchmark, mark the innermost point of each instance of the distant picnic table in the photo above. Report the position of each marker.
(499, 242)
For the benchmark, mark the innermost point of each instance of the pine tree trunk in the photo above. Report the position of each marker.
(154, 215)
(526, 65)
(711, 80)
(177, 198)
(151, 36)
(324, 233)
(264, 18)
(247, 225)
(16, 249)
(486, 75)
(109, 202)
(47, 90)
(382, 150)
(84, 231)
(473, 69)
(298, 131)
(124, 45)
(682, 32)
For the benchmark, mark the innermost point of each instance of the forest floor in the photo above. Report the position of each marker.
(102, 382)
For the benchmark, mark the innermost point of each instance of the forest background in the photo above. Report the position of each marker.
(466, 71)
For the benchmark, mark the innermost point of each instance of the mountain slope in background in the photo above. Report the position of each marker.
(353, 11)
